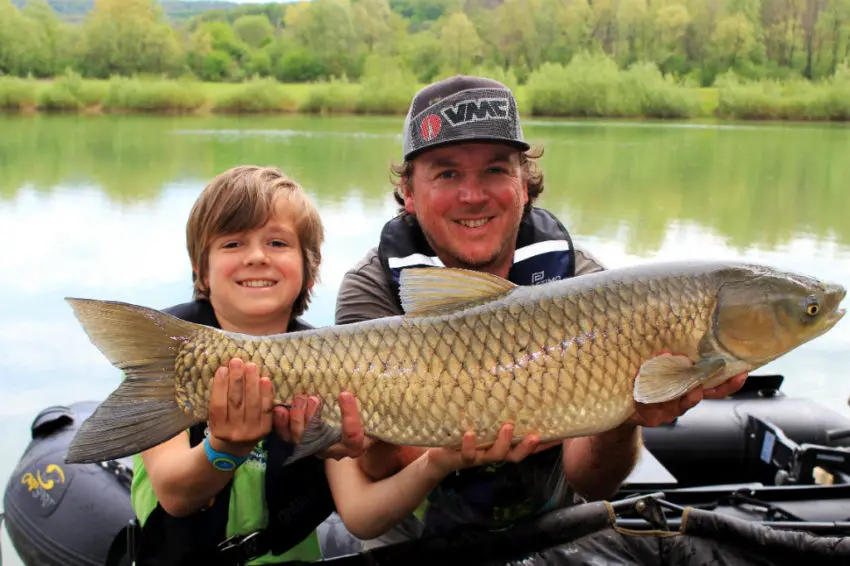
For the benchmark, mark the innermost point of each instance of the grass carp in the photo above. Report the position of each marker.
(472, 351)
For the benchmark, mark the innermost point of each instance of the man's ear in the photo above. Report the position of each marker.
(407, 192)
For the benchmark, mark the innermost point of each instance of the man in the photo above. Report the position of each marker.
(467, 186)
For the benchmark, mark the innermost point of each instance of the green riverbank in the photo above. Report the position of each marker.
(582, 89)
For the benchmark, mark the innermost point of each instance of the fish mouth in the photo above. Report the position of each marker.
(839, 293)
(837, 315)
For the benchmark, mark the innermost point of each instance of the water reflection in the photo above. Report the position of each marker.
(750, 186)
(134, 158)
(760, 185)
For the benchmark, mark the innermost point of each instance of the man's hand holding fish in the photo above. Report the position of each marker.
(655, 414)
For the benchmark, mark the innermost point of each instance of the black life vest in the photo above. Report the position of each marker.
(544, 250)
(498, 494)
(298, 499)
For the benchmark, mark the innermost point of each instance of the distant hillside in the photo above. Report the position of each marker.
(75, 10)
(183, 10)
(65, 9)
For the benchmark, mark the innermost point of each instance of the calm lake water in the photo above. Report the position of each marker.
(96, 207)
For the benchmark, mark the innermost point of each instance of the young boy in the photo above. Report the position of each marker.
(220, 494)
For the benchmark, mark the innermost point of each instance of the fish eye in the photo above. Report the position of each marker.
(812, 306)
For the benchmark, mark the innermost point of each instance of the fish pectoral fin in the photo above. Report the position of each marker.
(431, 290)
(664, 378)
(318, 435)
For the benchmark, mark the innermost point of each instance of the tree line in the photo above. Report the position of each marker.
(693, 41)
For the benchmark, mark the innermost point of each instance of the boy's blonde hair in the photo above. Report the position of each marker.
(243, 198)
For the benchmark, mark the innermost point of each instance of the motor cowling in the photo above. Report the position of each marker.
(59, 513)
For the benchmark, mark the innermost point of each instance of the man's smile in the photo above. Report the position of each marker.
(474, 223)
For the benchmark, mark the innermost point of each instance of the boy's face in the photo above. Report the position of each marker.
(255, 276)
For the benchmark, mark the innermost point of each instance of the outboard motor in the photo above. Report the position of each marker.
(65, 514)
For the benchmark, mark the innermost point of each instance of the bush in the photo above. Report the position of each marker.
(337, 95)
(647, 93)
(70, 92)
(592, 85)
(796, 99)
(299, 65)
(16, 94)
(151, 95)
(256, 95)
(386, 87)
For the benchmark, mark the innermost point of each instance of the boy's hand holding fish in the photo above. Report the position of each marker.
(291, 423)
(242, 413)
(241, 405)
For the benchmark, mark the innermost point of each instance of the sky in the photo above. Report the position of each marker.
(248, 1)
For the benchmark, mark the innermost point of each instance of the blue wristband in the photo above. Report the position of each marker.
(222, 460)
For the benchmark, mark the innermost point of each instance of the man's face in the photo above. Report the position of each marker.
(469, 200)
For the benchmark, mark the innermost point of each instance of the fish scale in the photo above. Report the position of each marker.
(562, 359)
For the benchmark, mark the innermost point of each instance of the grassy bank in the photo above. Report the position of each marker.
(588, 87)
(794, 100)
(593, 87)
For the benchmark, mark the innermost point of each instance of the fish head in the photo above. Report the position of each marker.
(763, 313)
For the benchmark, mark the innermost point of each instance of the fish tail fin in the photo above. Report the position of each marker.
(143, 411)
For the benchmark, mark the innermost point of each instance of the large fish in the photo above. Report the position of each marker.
(472, 351)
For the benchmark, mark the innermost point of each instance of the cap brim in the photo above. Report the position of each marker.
(522, 146)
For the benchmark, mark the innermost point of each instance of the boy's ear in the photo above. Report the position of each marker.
(196, 277)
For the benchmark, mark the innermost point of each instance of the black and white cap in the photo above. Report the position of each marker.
(462, 108)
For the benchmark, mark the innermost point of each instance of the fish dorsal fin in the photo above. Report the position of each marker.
(439, 290)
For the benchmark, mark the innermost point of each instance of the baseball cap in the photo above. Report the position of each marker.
(462, 108)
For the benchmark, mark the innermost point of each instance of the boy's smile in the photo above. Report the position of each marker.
(257, 283)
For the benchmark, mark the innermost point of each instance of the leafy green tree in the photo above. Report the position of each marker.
(255, 31)
(372, 20)
(216, 54)
(460, 45)
(124, 37)
(733, 39)
(325, 29)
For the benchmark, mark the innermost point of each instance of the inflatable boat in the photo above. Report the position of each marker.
(759, 478)
(64, 514)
